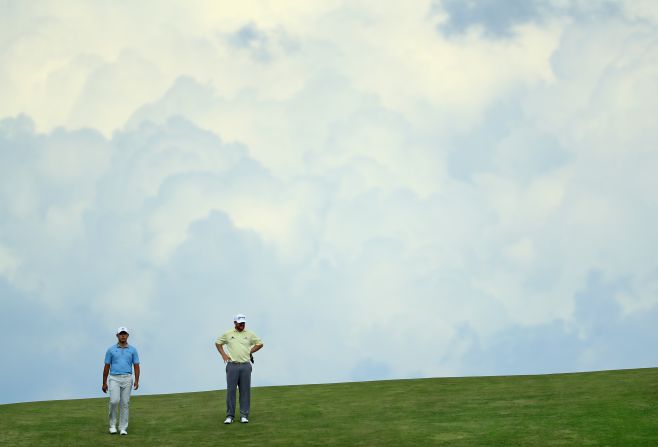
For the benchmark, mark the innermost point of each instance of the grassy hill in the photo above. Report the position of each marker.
(612, 408)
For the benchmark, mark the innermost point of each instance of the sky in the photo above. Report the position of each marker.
(386, 190)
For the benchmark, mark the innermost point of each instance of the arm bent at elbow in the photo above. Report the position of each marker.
(225, 357)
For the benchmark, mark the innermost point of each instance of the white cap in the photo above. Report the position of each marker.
(122, 329)
(240, 318)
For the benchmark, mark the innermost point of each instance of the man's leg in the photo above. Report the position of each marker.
(115, 395)
(232, 374)
(126, 387)
(245, 389)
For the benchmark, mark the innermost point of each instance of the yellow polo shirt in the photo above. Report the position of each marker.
(239, 343)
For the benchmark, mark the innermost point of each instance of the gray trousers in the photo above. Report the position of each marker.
(120, 387)
(238, 375)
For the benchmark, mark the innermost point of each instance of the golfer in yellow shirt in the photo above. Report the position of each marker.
(241, 343)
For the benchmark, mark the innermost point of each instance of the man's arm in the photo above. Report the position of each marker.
(136, 384)
(106, 372)
(254, 348)
(225, 357)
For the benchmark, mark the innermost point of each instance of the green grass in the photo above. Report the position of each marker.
(612, 408)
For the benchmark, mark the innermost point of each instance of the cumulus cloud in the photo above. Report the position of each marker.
(602, 336)
(413, 204)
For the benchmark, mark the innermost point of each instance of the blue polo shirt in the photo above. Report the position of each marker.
(121, 360)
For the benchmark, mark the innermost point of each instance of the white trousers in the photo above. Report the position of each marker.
(120, 386)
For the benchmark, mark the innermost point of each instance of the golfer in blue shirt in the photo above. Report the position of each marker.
(120, 359)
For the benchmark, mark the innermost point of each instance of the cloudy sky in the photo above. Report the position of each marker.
(440, 188)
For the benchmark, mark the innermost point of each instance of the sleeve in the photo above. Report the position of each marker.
(256, 340)
(222, 339)
(135, 357)
(108, 357)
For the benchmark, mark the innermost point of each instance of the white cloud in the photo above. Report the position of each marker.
(9, 263)
(642, 10)
(344, 171)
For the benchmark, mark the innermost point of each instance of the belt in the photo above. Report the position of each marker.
(238, 363)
